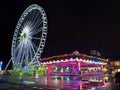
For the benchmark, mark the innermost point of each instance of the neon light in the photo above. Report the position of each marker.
(76, 62)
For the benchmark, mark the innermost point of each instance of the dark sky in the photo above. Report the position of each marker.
(72, 25)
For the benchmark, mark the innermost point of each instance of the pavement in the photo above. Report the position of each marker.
(8, 82)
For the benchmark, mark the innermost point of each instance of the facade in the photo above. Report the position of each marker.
(73, 64)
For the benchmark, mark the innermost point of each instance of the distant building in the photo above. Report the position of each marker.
(74, 63)
(114, 66)
(95, 52)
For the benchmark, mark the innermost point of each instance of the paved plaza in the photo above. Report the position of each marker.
(53, 83)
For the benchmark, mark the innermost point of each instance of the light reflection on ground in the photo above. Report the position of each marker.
(75, 82)
(93, 82)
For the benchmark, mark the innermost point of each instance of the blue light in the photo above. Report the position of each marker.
(1, 65)
(67, 68)
(68, 79)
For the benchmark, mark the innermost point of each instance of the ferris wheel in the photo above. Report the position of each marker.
(29, 37)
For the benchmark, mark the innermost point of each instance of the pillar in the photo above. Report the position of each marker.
(81, 88)
(48, 69)
(79, 66)
(61, 69)
(73, 69)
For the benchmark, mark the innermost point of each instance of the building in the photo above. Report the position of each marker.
(73, 64)
(95, 53)
(114, 66)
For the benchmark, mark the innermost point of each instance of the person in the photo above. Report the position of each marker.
(117, 78)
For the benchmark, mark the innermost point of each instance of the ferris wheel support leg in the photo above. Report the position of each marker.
(38, 63)
(37, 59)
(7, 64)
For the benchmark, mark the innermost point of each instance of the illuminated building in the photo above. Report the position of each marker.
(73, 64)
(114, 66)
(95, 52)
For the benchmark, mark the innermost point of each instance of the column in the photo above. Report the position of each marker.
(102, 69)
(73, 69)
(48, 69)
(79, 66)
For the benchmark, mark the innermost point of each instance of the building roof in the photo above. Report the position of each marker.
(74, 56)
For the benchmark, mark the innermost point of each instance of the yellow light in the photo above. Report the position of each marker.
(117, 63)
(80, 86)
(118, 70)
(105, 69)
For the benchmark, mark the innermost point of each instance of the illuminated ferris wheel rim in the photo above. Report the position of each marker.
(26, 34)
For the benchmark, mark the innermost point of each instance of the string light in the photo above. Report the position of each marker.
(80, 57)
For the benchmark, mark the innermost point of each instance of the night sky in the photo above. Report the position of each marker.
(72, 25)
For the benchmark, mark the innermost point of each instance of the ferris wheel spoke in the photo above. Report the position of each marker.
(36, 38)
(35, 26)
(37, 23)
(22, 59)
(28, 23)
(30, 52)
(38, 30)
(19, 44)
(19, 53)
(32, 48)
(26, 55)
(34, 20)
(34, 52)
(21, 29)
(17, 48)
(34, 45)
(30, 19)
